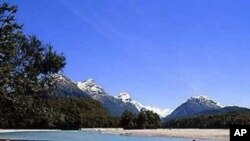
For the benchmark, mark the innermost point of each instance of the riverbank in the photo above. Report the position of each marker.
(213, 134)
(216, 134)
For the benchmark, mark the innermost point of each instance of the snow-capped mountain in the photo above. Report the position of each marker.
(193, 106)
(125, 97)
(64, 87)
(91, 88)
(205, 100)
(115, 106)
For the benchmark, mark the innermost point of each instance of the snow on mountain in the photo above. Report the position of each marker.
(90, 87)
(206, 100)
(64, 87)
(59, 78)
(115, 106)
(193, 106)
(125, 97)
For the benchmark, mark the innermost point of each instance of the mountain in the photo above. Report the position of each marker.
(115, 106)
(193, 106)
(125, 97)
(64, 87)
(219, 118)
(225, 110)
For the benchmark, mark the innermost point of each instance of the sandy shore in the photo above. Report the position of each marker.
(216, 134)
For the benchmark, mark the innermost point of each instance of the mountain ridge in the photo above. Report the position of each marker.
(115, 106)
(193, 106)
(124, 96)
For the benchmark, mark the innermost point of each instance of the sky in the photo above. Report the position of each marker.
(161, 52)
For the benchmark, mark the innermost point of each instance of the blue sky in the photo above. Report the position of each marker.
(161, 52)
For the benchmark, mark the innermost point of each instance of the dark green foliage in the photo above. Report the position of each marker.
(79, 113)
(153, 120)
(128, 120)
(144, 120)
(63, 113)
(26, 64)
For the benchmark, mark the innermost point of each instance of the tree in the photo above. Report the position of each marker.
(128, 120)
(144, 120)
(10, 32)
(26, 65)
(153, 120)
(25, 62)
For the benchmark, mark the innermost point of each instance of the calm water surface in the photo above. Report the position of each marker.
(81, 136)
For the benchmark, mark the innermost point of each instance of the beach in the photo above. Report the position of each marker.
(217, 134)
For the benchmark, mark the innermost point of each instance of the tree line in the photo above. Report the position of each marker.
(144, 120)
(212, 121)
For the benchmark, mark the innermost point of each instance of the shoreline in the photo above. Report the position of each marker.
(27, 130)
(217, 134)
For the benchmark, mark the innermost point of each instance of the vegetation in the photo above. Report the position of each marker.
(144, 120)
(223, 120)
(26, 69)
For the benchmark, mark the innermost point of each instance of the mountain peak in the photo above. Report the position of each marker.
(194, 105)
(89, 82)
(60, 78)
(64, 87)
(90, 87)
(204, 99)
(116, 106)
(201, 98)
(124, 96)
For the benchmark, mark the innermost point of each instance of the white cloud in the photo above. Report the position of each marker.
(161, 112)
(125, 97)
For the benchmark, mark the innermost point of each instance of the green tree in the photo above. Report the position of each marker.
(26, 66)
(142, 120)
(128, 120)
(153, 120)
